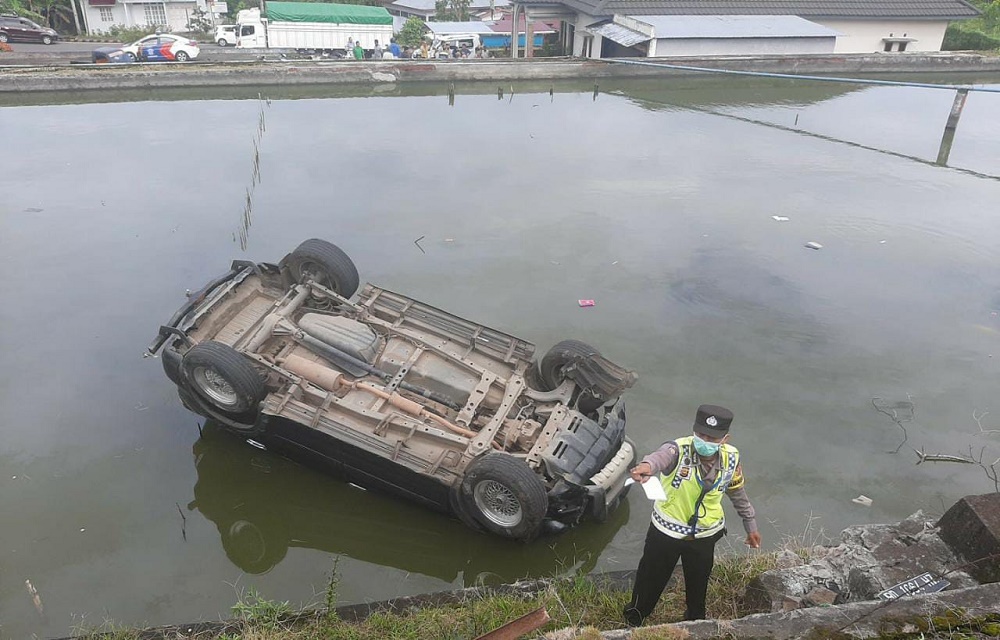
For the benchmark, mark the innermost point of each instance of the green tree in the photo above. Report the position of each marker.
(455, 10)
(412, 33)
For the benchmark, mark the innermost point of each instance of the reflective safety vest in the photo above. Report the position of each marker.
(675, 516)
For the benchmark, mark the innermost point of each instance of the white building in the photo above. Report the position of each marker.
(616, 28)
(401, 10)
(169, 15)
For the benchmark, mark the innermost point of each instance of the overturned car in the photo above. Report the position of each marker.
(393, 394)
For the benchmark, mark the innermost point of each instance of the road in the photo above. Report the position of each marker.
(60, 47)
(67, 52)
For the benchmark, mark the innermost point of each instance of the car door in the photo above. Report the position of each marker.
(14, 29)
(30, 32)
(156, 48)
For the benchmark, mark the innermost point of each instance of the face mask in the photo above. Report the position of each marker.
(703, 448)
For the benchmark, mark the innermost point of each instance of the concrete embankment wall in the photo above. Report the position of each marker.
(278, 73)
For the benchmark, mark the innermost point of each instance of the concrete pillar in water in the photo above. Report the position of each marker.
(949, 129)
(529, 36)
(513, 30)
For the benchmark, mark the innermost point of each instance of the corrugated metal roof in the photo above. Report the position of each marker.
(429, 5)
(442, 28)
(870, 9)
(613, 31)
(735, 27)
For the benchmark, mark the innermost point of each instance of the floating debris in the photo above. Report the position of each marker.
(586, 303)
(417, 242)
(814, 245)
(34, 210)
(35, 598)
(780, 218)
(940, 457)
(863, 500)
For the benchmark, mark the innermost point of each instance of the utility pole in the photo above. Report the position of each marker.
(76, 19)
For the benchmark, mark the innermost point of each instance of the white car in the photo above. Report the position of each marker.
(162, 47)
(225, 35)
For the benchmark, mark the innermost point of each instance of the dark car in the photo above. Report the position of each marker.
(393, 394)
(17, 29)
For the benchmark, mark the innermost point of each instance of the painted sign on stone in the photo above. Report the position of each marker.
(924, 583)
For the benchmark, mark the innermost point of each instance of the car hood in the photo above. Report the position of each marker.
(108, 50)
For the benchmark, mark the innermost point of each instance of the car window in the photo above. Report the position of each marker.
(247, 31)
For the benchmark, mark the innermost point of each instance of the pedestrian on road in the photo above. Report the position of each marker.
(377, 51)
(359, 53)
(695, 472)
(349, 49)
(396, 52)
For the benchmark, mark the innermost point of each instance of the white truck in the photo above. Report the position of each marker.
(313, 26)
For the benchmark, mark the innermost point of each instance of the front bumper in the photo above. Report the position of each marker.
(608, 484)
(592, 461)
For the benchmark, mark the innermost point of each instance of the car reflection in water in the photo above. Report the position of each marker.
(262, 504)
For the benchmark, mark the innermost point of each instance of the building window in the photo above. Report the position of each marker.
(107, 15)
(156, 16)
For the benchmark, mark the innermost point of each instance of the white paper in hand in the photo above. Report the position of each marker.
(652, 488)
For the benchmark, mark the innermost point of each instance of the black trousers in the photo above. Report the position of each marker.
(659, 557)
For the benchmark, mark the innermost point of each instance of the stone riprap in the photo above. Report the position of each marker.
(869, 559)
(971, 527)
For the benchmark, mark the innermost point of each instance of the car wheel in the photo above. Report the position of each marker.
(182, 56)
(46, 39)
(223, 378)
(325, 263)
(533, 378)
(222, 42)
(3, 37)
(131, 56)
(560, 356)
(505, 496)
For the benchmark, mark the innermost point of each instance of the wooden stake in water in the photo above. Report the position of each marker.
(949, 128)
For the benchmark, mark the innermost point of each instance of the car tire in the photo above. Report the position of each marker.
(131, 56)
(504, 496)
(182, 56)
(561, 355)
(533, 378)
(4, 37)
(222, 42)
(325, 263)
(47, 40)
(223, 378)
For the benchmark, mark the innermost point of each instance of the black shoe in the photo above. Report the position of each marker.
(633, 617)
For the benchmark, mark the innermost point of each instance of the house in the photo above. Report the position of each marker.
(401, 10)
(657, 36)
(169, 15)
(611, 28)
(500, 39)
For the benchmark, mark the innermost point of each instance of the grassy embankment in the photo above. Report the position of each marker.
(571, 602)
(578, 602)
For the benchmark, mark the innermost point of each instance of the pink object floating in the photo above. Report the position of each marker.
(586, 303)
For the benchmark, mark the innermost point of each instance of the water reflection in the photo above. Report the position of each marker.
(263, 504)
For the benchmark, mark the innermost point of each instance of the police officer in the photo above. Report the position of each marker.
(695, 471)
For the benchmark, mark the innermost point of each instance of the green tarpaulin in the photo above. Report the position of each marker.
(326, 12)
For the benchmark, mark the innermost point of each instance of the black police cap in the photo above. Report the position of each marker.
(713, 420)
